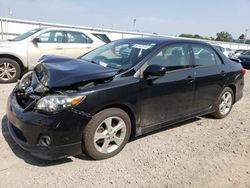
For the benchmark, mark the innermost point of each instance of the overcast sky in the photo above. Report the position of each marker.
(204, 17)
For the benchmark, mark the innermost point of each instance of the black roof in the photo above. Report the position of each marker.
(166, 40)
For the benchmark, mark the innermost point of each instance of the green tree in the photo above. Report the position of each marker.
(196, 36)
(242, 37)
(224, 36)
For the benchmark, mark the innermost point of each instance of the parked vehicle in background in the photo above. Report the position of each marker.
(238, 52)
(230, 52)
(245, 59)
(23, 52)
(126, 88)
(223, 50)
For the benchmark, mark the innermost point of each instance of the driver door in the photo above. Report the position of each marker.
(169, 97)
(48, 43)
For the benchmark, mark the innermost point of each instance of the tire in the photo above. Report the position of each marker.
(101, 141)
(10, 70)
(223, 106)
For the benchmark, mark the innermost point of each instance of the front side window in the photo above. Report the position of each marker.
(52, 37)
(77, 37)
(121, 54)
(205, 56)
(172, 57)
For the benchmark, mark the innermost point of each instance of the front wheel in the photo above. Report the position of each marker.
(107, 133)
(224, 104)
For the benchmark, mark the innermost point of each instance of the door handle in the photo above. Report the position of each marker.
(190, 79)
(223, 73)
(88, 47)
(59, 48)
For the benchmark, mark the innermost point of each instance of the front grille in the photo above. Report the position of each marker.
(18, 133)
(27, 102)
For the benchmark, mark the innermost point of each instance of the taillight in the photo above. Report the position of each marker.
(244, 71)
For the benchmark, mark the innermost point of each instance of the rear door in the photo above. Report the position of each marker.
(171, 96)
(78, 44)
(210, 76)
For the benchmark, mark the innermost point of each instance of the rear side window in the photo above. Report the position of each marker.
(102, 37)
(77, 37)
(205, 56)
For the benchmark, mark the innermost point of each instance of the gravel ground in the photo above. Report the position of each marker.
(203, 152)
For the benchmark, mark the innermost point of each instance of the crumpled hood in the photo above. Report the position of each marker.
(63, 72)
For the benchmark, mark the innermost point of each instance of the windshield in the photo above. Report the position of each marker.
(121, 54)
(26, 35)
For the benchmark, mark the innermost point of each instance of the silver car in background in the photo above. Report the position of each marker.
(22, 53)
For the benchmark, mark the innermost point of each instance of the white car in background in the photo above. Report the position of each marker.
(225, 51)
(22, 53)
(238, 53)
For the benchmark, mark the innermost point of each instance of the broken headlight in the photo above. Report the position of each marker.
(26, 80)
(55, 103)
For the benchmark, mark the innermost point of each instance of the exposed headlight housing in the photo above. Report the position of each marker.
(25, 81)
(42, 74)
(55, 103)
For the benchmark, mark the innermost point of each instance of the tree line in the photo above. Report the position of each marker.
(221, 36)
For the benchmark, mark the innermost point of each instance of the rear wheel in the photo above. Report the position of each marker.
(224, 104)
(107, 133)
(9, 70)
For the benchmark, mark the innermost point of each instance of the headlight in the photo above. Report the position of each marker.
(55, 103)
(26, 80)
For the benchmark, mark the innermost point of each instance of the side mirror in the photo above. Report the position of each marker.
(36, 40)
(154, 70)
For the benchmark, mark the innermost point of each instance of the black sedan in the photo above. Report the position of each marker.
(96, 103)
(245, 59)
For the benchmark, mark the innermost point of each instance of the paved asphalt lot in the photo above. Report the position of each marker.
(202, 152)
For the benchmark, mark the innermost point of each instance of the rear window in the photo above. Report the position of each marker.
(102, 37)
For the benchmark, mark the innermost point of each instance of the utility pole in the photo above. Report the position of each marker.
(10, 13)
(134, 22)
(1, 24)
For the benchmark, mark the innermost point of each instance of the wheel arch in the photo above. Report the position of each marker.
(15, 58)
(126, 109)
(233, 87)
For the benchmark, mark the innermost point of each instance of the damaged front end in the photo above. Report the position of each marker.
(31, 94)
(34, 93)
(29, 90)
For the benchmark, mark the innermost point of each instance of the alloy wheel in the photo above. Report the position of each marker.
(7, 71)
(226, 103)
(110, 134)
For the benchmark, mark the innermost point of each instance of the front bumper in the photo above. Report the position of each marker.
(64, 129)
